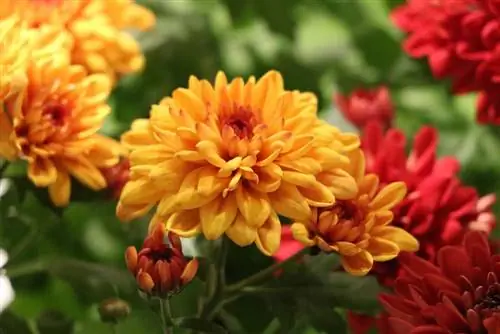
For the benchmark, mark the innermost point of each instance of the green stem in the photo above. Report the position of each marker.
(216, 283)
(166, 315)
(114, 330)
(26, 269)
(264, 274)
(4, 166)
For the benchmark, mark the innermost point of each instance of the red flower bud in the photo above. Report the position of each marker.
(160, 268)
(363, 106)
(116, 177)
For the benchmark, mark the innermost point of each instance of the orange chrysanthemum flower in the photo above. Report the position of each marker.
(97, 27)
(54, 126)
(229, 158)
(359, 228)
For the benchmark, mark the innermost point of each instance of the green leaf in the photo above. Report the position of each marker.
(201, 326)
(327, 320)
(11, 323)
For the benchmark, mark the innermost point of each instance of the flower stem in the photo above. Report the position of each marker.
(216, 282)
(3, 168)
(166, 315)
(263, 274)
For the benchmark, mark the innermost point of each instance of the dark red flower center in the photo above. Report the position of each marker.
(490, 303)
(161, 253)
(241, 120)
(347, 211)
(57, 113)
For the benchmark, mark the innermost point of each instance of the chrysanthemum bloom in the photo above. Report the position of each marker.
(438, 209)
(459, 39)
(460, 294)
(159, 268)
(14, 55)
(358, 228)
(98, 28)
(364, 105)
(116, 177)
(54, 128)
(229, 158)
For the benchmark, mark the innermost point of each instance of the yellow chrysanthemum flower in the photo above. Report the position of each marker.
(359, 228)
(54, 126)
(230, 158)
(20, 46)
(97, 27)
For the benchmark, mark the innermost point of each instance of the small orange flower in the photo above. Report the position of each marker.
(359, 228)
(97, 27)
(160, 269)
(54, 126)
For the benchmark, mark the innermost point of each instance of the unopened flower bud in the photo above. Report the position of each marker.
(160, 268)
(113, 310)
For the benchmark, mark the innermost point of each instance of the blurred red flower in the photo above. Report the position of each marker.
(461, 294)
(438, 209)
(116, 177)
(364, 105)
(459, 39)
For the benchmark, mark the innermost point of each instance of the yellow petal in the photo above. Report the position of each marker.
(60, 190)
(301, 234)
(269, 236)
(140, 191)
(382, 249)
(85, 172)
(254, 207)
(241, 233)
(289, 202)
(190, 103)
(347, 248)
(184, 223)
(389, 196)
(404, 240)
(128, 212)
(341, 183)
(42, 172)
(359, 264)
(217, 216)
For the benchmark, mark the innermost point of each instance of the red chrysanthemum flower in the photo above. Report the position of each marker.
(364, 105)
(459, 38)
(461, 294)
(438, 209)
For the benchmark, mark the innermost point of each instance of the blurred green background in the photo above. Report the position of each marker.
(324, 46)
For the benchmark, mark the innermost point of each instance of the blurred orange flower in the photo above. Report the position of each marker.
(96, 26)
(54, 126)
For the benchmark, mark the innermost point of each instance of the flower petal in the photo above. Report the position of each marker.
(359, 264)
(60, 190)
(389, 196)
(301, 234)
(184, 223)
(42, 172)
(241, 233)
(382, 249)
(217, 216)
(269, 236)
(404, 240)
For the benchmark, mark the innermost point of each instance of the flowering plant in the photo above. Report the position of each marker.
(185, 167)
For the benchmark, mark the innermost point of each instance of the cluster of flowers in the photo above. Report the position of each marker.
(440, 212)
(459, 38)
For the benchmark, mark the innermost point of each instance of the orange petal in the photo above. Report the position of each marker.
(60, 190)
(42, 172)
(404, 240)
(241, 233)
(289, 202)
(269, 236)
(301, 234)
(184, 223)
(382, 249)
(217, 216)
(359, 264)
(389, 196)
(253, 206)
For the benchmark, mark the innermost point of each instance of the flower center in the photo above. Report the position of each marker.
(240, 119)
(348, 212)
(161, 253)
(56, 113)
(490, 303)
